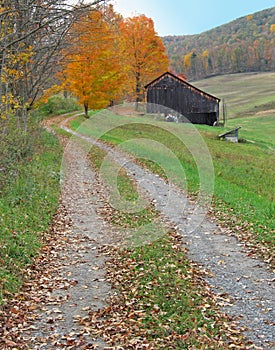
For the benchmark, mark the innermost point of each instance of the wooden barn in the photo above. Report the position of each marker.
(170, 93)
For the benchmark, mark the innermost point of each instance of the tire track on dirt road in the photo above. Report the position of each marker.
(80, 264)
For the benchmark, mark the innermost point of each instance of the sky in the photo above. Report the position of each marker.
(182, 17)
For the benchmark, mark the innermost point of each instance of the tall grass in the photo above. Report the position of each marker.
(29, 197)
(58, 104)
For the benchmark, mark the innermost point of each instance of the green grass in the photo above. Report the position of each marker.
(244, 172)
(60, 131)
(244, 181)
(76, 122)
(27, 204)
(256, 129)
(58, 104)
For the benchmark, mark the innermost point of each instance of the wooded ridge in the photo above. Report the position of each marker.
(243, 45)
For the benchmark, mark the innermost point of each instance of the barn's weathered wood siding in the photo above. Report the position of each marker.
(170, 94)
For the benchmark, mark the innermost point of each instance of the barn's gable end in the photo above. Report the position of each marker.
(178, 95)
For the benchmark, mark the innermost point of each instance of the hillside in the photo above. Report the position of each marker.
(245, 94)
(243, 45)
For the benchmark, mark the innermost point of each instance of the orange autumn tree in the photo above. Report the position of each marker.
(92, 70)
(143, 53)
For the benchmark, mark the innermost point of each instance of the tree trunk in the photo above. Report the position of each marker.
(138, 89)
(86, 109)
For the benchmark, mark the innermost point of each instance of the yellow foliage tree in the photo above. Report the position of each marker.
(205, 56)
(144, 56)
(13, 73)
(92, 70)
(187, 60)
(272, 28)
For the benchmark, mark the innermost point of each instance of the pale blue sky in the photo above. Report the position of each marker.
(181, 17)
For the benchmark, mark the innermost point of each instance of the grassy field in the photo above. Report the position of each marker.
(244, 94)
(250, 103)
(244, 172)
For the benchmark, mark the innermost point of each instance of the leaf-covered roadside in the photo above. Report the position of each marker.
(233, 224)
(20, 327)
(40, 279)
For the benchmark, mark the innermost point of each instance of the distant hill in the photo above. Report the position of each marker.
(246, 44)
